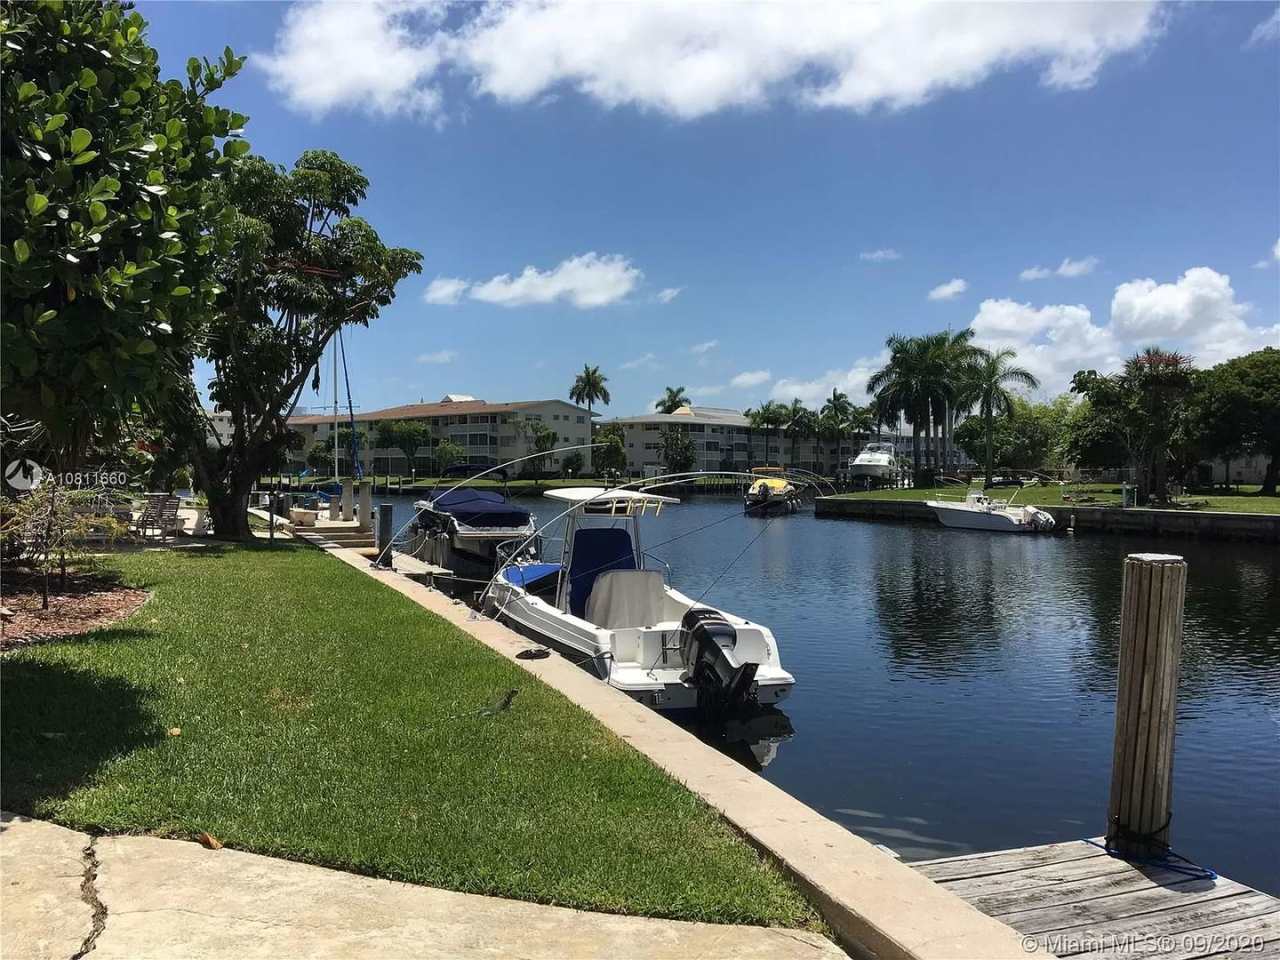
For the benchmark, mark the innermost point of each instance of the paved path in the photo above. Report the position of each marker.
(134, 898)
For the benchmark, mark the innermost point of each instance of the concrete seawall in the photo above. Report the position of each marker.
(1208, 524)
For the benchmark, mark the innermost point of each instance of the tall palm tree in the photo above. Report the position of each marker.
(589, 387)
(956, 357)
(992, 375)
(800, 422)
(906, 385)
(833, 420)
(773, 415)
(673, 400)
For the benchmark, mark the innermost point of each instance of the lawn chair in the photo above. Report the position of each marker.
(159, 512)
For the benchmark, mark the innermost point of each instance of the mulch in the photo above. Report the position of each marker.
(86, 602)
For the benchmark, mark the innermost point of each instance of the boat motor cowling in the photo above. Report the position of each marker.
(707, 646)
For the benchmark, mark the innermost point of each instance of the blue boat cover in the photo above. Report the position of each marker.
(596, 550)
(480, 508)
(528, 573)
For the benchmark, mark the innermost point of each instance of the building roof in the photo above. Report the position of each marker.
(688, 414)
(419, 411)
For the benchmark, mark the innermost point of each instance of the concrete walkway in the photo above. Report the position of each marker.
(132, 898)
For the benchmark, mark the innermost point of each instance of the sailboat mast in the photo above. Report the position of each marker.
(335, 411)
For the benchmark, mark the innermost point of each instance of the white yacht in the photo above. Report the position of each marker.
(876, 463)
(979, 512)
(630, 627)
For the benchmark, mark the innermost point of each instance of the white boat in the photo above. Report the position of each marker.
(877, 462)
(626, 623)
(979, 512)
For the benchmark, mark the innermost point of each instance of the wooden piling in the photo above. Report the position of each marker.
(1146, 697)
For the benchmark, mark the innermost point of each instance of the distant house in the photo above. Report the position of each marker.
(490, 433)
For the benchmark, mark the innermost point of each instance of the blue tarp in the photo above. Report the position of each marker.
(529, 573)
(480, 508)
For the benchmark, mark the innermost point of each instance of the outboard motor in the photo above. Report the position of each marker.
(707, 648)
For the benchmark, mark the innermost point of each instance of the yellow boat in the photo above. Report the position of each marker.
(771, 492)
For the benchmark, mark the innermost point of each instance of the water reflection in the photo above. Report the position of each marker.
(751, 737)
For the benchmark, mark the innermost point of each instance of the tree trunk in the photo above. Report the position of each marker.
(990, 430)
(1269, 478)
(229, 510)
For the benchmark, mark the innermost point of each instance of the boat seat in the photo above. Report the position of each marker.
(626, 598)
(596, 550)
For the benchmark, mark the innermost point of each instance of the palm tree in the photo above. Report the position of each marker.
(773, 414)
(800, 422)
(833, 420)
(992, 375)
(588, 387)
(956, 356)
(907, 385)
(674, 399)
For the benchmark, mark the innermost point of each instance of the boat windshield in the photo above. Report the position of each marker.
(878, 448)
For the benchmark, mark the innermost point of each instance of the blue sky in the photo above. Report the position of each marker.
(747, 199)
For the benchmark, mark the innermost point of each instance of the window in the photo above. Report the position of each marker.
(653, 427)
(697, 428)
(582, 419)
(713, 446)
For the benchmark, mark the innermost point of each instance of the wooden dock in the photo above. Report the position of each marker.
(1075, 899)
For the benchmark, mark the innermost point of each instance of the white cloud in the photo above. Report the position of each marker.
(1077, 268)
(816, 391)
(440, 356)
(712, 390)
(706, 345)
(686, 60)
(750, 378)
(1068, 268)
(380, 57)
(648, 360)
(1275, 251)
(1267, 31)
(445, 290)
(949, 290)
(586, 281)
(880, 256)
(1053, 341)
(668, 294)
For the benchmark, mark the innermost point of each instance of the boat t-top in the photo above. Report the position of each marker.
(979, 512)
(771, 492)
(625, 623)
(875, 463)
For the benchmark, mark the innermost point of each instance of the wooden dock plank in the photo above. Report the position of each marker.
(1005, 861)
(1121, 906)
(1077, 900)
(1179, 919)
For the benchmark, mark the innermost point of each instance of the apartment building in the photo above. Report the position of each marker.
(490, 433)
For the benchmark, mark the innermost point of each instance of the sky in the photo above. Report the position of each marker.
(747, 199)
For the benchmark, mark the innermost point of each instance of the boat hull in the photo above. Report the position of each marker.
(967, 518)
(658, 679)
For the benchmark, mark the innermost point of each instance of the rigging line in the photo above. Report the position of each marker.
(741, 552)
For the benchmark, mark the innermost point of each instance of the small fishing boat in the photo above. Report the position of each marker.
(771, 492)
(979, 512)
(875, 463)
(625, 623)
(469, 531)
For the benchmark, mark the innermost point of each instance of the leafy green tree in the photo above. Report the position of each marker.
(801, 422)
(111, 220)
(589, 388)
(672, 400)
(571, 464)
(906, 385)
(403, 435)
(1239, 401)
(676, 449)
(449, 452)
(301, 267)
(1023, 437)
(1142, 409)
(612, 457)
(541, 439)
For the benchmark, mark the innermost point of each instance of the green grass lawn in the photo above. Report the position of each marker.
(328, 719)
(1247, 500)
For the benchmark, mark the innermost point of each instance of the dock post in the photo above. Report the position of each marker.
(365, 519)
(385, 531)
(348, 500)
(1146, 696)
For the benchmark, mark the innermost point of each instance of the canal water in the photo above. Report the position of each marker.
(955, 690)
